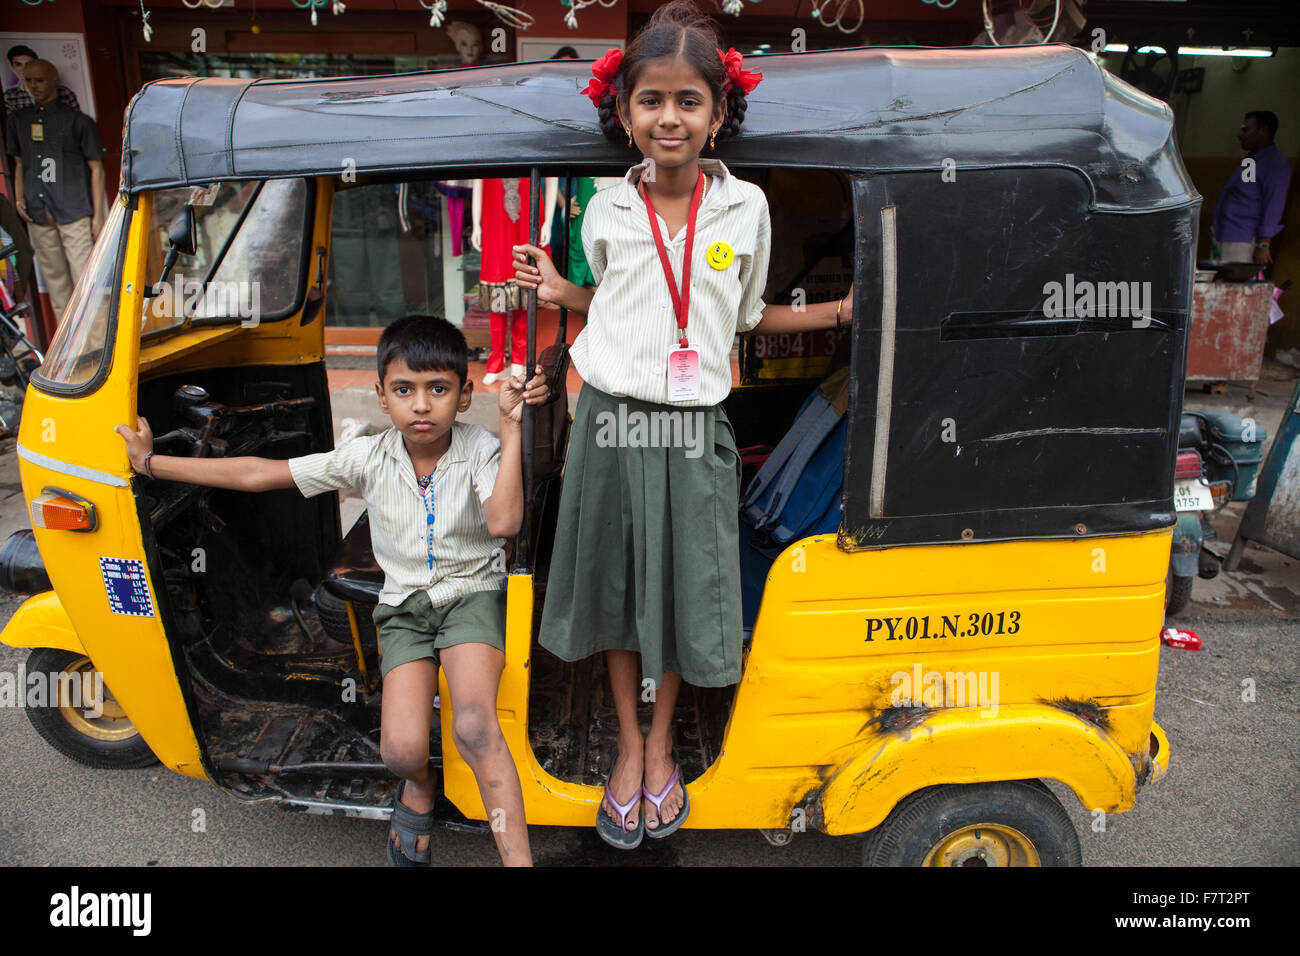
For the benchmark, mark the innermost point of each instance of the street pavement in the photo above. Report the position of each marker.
(1229, 798)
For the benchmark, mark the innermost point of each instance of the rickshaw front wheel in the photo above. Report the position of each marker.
(1009, 823)
(81, 719)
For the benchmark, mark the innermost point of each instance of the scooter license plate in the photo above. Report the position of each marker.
(1191, 495)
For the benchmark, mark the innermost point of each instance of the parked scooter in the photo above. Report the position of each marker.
(19, 357)
(1219, 455)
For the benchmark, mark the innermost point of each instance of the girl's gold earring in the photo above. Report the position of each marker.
(712, 144)
(629, 137)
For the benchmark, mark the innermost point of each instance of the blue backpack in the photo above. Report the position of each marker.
(795, 494)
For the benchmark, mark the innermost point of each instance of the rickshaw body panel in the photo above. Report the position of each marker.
(1082, 659)
(817, 732)
(69, 443)
(132, 652)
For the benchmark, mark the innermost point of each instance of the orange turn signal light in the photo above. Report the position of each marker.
(60, 510)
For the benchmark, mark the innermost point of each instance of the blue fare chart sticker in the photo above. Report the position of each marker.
(125, 584)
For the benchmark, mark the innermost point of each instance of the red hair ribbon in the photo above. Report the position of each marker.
(745, 79)
(603, 72)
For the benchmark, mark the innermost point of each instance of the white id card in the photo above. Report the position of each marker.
(683, 374)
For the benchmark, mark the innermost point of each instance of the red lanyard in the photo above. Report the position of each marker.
(682, 300)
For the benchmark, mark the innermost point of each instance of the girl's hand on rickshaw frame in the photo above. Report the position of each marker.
(138, 443)
(543, 276)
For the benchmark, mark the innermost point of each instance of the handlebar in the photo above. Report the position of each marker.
(210, 419)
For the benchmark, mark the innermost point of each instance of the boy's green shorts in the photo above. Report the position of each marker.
(415, 629)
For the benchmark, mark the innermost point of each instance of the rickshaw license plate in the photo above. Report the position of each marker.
(1191, 495)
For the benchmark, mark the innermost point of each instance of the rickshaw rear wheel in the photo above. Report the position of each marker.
(1009, 823)
(1178, 591)
(108, 741)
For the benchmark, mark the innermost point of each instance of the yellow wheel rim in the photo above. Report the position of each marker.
(112, 722)
(984, 844)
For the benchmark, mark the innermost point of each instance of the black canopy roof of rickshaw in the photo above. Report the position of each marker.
(866, 109)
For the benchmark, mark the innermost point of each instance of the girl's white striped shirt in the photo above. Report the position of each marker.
(379, 467)
(631, 325)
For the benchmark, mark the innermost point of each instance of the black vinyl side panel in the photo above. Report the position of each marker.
(1007, 418)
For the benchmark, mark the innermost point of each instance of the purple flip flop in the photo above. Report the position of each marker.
(661, 831)
(617, 834)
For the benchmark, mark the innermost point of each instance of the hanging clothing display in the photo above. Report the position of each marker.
(458, 193)
(579, 272)
(504, 223)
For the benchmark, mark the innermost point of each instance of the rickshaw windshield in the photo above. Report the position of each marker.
(248, 253)
(79, 351)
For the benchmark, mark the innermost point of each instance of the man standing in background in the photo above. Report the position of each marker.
(58, 180)
(1249, 212)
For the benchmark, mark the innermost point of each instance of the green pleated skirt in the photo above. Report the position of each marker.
(646, 555)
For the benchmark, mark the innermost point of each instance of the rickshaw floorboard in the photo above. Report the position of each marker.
(573, 726)
(285, 734)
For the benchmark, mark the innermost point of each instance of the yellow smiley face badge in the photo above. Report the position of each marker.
(720, 255)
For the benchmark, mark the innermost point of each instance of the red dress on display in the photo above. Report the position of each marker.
(503, 221)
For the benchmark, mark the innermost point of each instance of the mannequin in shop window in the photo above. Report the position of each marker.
(500, 218)
(469, 47)
(468, 40)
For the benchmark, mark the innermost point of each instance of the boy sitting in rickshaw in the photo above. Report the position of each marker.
(441, 497)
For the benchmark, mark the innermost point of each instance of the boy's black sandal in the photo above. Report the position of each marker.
(409, 827)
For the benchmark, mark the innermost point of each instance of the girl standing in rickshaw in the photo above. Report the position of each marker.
(646, 554)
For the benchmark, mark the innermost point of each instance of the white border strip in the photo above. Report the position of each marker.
(66, 468)
(885, 381)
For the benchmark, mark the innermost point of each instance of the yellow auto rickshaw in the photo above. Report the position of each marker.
(976, 611)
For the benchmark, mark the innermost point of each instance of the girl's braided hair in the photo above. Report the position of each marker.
(675, 30)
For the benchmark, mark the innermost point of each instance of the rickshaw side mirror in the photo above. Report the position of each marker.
(183, 238)
(182, 234)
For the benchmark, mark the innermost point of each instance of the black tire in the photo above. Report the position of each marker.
(333, 613)
(108, 742)
(914, 833)
(1178, 592)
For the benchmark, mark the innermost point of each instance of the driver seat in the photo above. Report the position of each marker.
(356, 576)
(347, 596)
